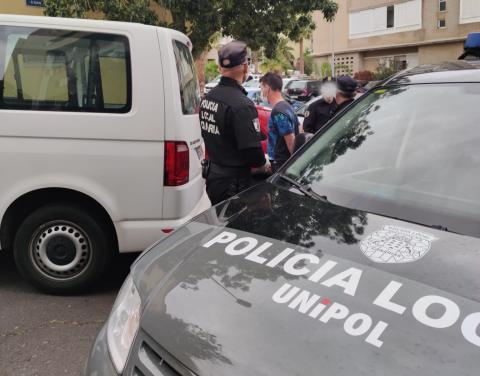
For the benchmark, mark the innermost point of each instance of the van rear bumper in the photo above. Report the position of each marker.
(135, 236)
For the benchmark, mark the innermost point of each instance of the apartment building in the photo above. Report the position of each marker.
(394, 33)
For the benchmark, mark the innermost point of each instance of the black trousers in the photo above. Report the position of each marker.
(220, 188)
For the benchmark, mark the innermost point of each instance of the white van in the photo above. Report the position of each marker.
(100, 146)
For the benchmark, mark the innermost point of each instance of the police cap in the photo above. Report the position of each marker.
(346, 85)
(233, 54)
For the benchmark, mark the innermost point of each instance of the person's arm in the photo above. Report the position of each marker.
(290, 141)
(309, 120)
(248, 137)
(286, 129)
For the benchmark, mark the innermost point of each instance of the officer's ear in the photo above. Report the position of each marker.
(245, 72)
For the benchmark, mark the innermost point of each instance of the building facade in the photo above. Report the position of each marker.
(26, 7)
(396, 34)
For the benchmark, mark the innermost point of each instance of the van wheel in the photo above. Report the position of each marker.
(62, 249)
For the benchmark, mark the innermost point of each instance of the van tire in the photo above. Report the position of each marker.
(62, 249)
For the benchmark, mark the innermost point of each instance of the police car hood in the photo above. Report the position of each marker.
(272, 283)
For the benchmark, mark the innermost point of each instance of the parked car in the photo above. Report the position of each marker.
(360, 256)
(210, 85)
(100, 144)
(285, 82)
(303, 90)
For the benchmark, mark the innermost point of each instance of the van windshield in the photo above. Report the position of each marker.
(404, 152)
(187, 78)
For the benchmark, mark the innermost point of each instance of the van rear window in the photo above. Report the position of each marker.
(63, 70)
(187, 78)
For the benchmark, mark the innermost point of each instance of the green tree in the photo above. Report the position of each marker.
(211, 71)
(68, 8)
(198, 19)
(275, 64)
(115, 10)
(383, 72)
(302, 30)
(284, 51)
(326, 69)
(309, 64)
(260, 23)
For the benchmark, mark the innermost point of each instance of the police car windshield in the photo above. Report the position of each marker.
(405, 152)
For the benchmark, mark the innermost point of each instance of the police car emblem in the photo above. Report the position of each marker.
(393, 245)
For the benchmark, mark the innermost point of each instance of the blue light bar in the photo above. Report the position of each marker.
(473, 41)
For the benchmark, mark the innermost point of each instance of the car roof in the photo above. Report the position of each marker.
(446, 72)
(60, 22)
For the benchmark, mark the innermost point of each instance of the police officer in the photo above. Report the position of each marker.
(322, 110)
(230, 128)
(346, 90)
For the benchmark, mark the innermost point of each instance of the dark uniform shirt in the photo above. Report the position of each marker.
(343, 105)
(230, 126)
(318, 113)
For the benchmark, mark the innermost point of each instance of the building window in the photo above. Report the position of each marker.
(442, 24)
(399, 17)
(390, 16)
(442, 5)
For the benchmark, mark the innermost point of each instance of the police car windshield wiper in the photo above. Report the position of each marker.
(303, 188)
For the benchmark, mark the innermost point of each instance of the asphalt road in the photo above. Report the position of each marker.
(51, 335)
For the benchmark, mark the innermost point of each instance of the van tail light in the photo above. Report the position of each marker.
(305, 92)
(177, 163)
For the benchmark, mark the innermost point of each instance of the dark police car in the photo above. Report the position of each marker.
(360, 257)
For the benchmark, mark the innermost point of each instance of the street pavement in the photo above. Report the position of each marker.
(42, 335)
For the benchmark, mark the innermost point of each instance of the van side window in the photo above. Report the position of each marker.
(187, 78)
(62, 70)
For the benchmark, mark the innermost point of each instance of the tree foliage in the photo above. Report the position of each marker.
(284, 51)
(260, 23)
(200, 20)
(309, 64)
(115, 10)
(282, 60)
(383, 72)
(211, 71)
(325, 69)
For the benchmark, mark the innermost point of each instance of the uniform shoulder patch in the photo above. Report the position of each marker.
(256, 124)
(307, 114)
